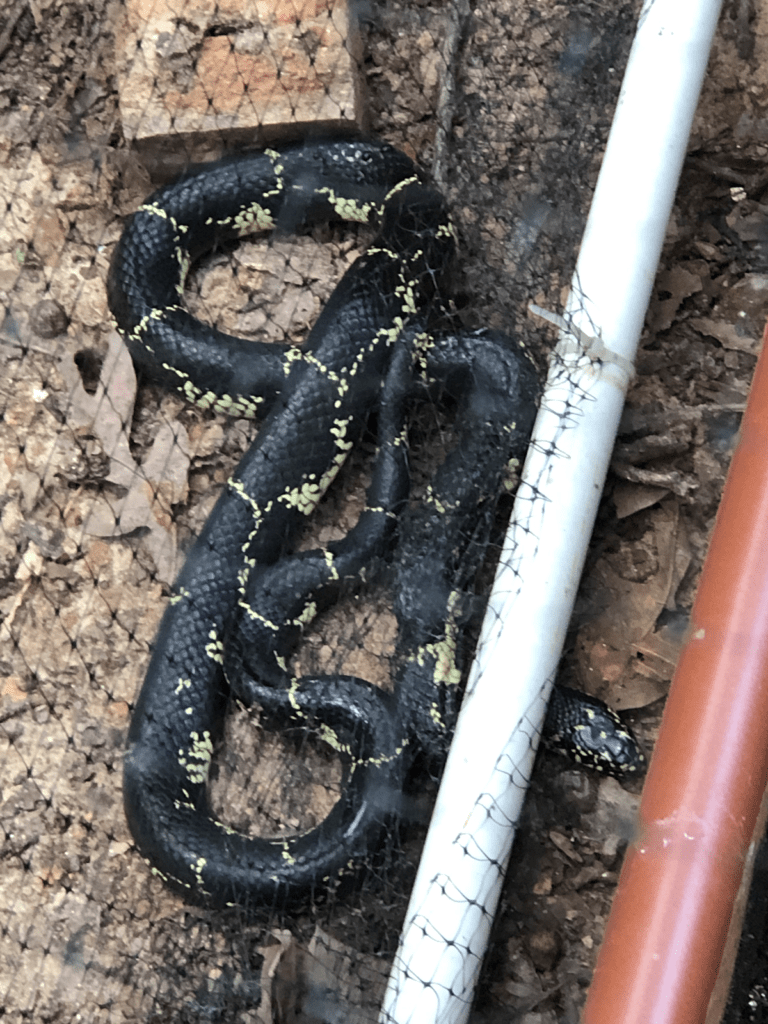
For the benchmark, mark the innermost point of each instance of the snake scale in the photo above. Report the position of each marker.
(244, 595)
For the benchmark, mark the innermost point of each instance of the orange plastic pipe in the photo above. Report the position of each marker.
(665, 935)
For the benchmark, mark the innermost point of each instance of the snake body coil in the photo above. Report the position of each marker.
(242, 598)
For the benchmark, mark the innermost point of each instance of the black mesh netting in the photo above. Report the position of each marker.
(105, 481)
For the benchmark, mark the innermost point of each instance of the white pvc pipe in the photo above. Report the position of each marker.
(467, 849)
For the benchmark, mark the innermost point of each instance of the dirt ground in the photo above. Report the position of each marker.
(104, 483)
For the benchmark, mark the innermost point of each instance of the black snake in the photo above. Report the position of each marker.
(243, 597)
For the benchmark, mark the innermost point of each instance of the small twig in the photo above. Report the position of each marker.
(459, 13)
(754, 184)
(10, 26)
(19, 707)
(26, 347)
